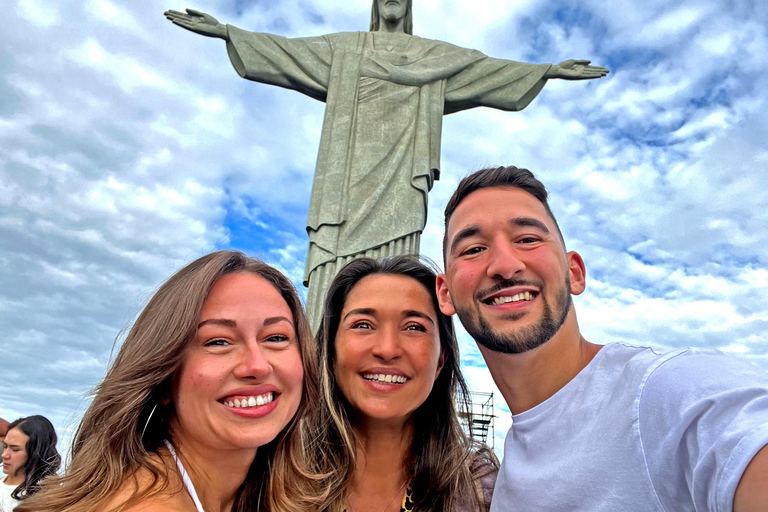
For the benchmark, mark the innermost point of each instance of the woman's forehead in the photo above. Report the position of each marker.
(389, 291)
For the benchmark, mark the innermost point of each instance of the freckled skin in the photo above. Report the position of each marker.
(223, 358)
(387, 336)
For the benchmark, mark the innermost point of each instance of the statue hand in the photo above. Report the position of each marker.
(573, 69)
(198, 22)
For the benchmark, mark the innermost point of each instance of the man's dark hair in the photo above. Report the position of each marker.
(493, 177)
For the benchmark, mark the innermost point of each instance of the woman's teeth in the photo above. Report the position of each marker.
(390, 379)
(251, 401)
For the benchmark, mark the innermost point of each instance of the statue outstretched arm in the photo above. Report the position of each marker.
(574, 69)
(199, 23)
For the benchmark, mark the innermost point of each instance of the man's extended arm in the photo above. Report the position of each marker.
(752, 492)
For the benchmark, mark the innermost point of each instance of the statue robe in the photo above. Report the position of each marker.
(379, 155)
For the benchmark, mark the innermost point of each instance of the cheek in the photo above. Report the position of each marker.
(197, 378)
(464, 280)
(290, 371)
(19, 458)
(346, 358)
(428, 355)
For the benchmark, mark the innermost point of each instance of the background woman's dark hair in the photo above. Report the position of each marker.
(439, 461)
(42, 458)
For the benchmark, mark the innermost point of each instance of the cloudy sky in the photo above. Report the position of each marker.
(129, 147)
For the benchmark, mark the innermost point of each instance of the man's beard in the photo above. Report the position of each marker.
(523, 339)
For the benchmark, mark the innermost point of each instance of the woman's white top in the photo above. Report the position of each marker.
(184, 478)
(6, 502)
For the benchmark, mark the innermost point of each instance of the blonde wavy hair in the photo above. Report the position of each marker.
(119, 434)
(445, 465)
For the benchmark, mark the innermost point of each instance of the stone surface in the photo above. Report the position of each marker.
(386, 92)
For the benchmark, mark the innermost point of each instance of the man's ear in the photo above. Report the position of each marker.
(578, 273)
(444, 295)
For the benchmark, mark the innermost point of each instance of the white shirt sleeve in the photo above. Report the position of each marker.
(702, 418)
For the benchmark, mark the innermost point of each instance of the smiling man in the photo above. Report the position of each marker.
(595, 428)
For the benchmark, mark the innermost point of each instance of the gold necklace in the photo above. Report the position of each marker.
(397, 492)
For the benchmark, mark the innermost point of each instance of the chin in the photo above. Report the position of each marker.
(390, 17)
(254, 441)
(386, 415)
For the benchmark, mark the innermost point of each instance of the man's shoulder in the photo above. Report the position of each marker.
(702, 416)
(660, 363)
(674, 371)
(701, 368)
(627, 362)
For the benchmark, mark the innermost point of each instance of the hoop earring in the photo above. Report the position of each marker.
(147, 423)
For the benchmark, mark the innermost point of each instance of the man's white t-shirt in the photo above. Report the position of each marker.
(6, 501)
(638, 431)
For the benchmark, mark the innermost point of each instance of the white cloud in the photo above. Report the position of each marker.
(41, 13)
(129, 146)
(117, 16)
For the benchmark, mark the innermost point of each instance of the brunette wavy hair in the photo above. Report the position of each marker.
(126, 423)
(42, 458)
(444, 463)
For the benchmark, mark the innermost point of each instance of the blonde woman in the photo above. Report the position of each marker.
(198, 411)
(387, 436)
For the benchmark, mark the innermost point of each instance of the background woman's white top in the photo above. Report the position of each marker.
(6, 502)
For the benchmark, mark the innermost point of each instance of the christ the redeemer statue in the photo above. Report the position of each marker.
(386, 92)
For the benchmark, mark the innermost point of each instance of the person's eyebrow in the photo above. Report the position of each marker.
(419, 314)
(461, 235)
(529, 222)
(218, 321)
(276, 319)
(360, 311)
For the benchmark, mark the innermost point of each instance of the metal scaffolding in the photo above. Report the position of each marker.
(479, 421)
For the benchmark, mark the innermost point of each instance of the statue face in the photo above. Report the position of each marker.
(392, 10)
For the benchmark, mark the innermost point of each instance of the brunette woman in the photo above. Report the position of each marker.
(29, 456)
(388, 437)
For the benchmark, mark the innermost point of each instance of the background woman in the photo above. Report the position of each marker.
(29, 455)
(388, 436)
(198, 409)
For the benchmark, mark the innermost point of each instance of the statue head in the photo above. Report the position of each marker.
(392, 10)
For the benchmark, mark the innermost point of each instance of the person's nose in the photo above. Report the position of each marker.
(253, 362)
(387, 345)
(504, 261)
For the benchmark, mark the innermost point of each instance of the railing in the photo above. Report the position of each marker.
(478, 422)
